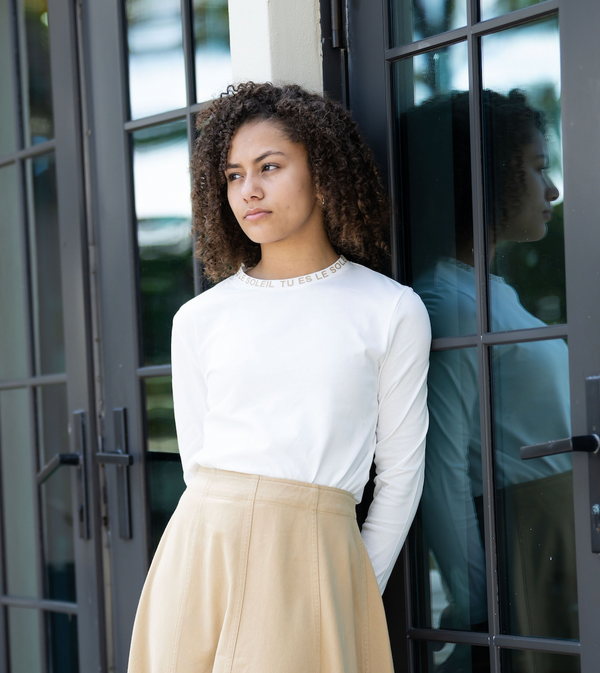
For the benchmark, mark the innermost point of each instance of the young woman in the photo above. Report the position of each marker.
(289, 377)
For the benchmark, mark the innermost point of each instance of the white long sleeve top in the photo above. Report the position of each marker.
(310, 378)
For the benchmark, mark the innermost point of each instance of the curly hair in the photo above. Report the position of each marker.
(509, 122)
(355, 209)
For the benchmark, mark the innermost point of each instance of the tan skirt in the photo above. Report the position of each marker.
(260, 575)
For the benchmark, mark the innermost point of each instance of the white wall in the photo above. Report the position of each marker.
(276, 41)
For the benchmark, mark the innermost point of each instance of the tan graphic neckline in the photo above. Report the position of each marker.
(309, 279)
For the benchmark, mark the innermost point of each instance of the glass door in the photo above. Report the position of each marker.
(152, 64)
(50, 580)
(483, 106)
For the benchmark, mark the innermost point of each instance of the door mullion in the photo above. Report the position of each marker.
(485, 406)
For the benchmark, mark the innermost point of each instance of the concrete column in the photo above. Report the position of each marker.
(277, 41)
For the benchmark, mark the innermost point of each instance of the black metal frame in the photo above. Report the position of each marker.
(370, 66)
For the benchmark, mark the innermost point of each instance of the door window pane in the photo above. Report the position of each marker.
(534, 498)
(56, 500)
(159, 415)
(451, 658)
(434, 184)
(522, 660)
(63, 648)
(165, 478)
(491, 8)
(156, 65)
(45, 265)
(52, 415)
(24, 640)
(163, 211)
(449, 591)
(34, 55)
(8, 138)
(213, 55)
(58, 531)
(412, 20)
(165, 475)
(523, 175)
(18, 492)
(13, 341)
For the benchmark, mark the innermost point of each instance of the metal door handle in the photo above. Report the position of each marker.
(54, 463)
(76, 460)
(584, 443)
(122, 460)
(114, 458)
(589, 444)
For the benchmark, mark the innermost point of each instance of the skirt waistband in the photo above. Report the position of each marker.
(242, 486)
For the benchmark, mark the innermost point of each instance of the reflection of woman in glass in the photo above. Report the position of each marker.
(289, 376)
(530, 380)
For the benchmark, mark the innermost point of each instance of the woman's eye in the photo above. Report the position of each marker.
(232, 176)
(269, 167)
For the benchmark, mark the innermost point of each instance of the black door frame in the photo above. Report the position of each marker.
(369, 86)
(78, 377)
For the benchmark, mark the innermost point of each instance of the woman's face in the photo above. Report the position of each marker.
(527, 219)
(269, 185)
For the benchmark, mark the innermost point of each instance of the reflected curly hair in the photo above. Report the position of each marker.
(355, 207)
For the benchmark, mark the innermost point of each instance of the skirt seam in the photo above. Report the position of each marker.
(317, 589)
(188, 577)
(366, 631)
(242, 581)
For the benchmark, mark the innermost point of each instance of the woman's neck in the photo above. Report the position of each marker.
(277, 263)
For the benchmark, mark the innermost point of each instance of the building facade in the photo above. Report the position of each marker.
(482, 115)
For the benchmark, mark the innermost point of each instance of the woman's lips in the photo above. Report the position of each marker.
(254, 215)
(547, 214)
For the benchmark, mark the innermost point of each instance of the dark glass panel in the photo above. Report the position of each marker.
(433, 184)
(534, 498)
(156, 65)
(162, 204)
(18, 492)
(412, 20)
(165, 478)
(523, 175)
(36, 90)
(432, 657)
(523, 661)
(213, 55)
(159, 415)
(165, 475)
(45, 263)
(491, 8)
(61, 630)
(8, 138)
(56, 500)
(53, 437)
(449, 587)
(13, 341)
(24, 641)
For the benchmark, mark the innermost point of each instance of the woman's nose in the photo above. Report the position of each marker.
(251, 189)
(552, 192)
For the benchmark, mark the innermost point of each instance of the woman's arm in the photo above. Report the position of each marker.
(189, 394)
(401, 431)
